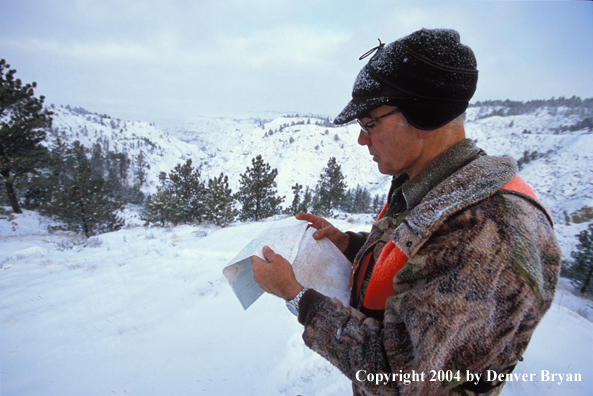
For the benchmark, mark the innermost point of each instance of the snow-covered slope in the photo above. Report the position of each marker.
(146, 311)
(560, 166)
(561, 173)
(299, 147)
(162, 152)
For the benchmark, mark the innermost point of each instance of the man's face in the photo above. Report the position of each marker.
(394, 144)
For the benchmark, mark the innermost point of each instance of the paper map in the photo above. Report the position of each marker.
(317, 264)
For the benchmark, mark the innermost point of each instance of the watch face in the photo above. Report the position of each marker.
(292, 309)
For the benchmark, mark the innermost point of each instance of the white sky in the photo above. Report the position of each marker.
(166, 60)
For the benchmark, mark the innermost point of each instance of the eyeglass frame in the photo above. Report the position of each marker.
(364, 125)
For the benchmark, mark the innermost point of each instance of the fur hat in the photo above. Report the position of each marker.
(429, 75)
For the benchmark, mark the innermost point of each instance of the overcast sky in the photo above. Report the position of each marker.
(166, 60)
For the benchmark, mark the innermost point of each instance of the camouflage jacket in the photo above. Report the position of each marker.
(481, 272)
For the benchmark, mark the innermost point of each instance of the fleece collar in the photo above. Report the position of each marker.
(415, 189)
(471, 184)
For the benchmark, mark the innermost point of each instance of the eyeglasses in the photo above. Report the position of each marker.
(364, 126)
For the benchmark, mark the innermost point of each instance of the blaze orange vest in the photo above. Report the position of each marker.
(393, 259)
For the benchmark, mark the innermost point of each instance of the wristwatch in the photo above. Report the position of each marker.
(293, 305)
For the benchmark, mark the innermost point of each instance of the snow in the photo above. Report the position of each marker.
(562, 176)
(146, 311)
(160, 150)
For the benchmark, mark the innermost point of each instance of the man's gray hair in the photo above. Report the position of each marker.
(459, 121)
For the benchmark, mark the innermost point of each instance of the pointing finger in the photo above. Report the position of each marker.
(268, 253)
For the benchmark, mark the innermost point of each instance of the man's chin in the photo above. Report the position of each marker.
(384, 170)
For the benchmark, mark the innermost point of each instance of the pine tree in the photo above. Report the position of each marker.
(55, 171)
(330, 189)
(187, 187)
(58, 158)
(22, 129)
(347, 201)
(162, 178)
(162, 207)
(180, 198)
(257, 193)
(299, 205)
(361, 200)
(357, 200)
(295, 206)
(218, 202)
(141, 167)
(306, 202)
(97, 161)
(117, 173)
(84, 202)
(378, 204)
(580, 269)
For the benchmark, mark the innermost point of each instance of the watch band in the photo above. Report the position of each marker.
(293, 305)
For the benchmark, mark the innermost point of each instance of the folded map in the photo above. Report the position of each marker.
(317, 264)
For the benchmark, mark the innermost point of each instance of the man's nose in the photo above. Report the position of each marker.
(363, 138)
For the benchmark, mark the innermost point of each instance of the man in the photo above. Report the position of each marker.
(462, 264)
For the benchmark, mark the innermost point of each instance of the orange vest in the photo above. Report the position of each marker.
(393, 259)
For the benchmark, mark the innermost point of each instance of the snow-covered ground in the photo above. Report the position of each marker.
(146, 311)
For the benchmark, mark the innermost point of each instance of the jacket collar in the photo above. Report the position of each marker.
(471, 184)
(415, 189)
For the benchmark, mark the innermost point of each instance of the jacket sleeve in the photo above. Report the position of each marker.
(468, 300)
(355, 243)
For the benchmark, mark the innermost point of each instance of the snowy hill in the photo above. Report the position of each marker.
(162, 151)
(298, 146)
(561, 172)
(146, 311)
(559, 164)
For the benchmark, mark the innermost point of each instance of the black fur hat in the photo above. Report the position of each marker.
(429, 75)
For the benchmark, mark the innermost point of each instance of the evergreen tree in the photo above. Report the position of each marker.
(360, 200)
(347, 201)
(306, 202)
(330, 189)
(295, 206)
(133, 195)
(162, 207)
(141, 167)
(84, 202)
(40, 187)
(299, 205)
(115, 183)
(180, 198)
(162, 178)
(58, 165)
(185, 185)
(71, 190)
(257, 193)
(378, 204)
(580, 269)
(117, 173)
(97, 161)
(218, 202)
(22, 129)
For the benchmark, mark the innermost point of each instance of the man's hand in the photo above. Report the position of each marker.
(325, 229)
(275, 275)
